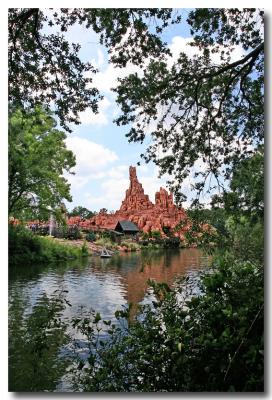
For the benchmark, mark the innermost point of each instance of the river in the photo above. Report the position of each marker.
(104, 285)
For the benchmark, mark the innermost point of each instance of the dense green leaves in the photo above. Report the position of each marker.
(211, 341)
(38, 157)
(246, 195)
(81, 212)
(27, 248)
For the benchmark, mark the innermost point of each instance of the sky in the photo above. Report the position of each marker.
(103, 154)
(102, 151)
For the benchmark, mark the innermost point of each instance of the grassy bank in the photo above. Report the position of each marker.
(26, 247)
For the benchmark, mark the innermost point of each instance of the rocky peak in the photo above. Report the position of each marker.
(164, 200)
(135, 198)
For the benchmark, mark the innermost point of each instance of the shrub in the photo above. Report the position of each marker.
(184, 342)
(73, 233)
(27, 247)
(90, 237)
(155, 234)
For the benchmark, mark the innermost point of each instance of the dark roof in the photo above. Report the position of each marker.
(127, 226)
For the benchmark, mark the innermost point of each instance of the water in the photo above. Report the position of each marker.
(101, 284)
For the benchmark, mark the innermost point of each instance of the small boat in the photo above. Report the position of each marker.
(105, 253)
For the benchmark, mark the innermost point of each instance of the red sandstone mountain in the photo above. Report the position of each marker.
(138, 208)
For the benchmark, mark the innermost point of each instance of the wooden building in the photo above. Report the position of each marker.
(127, 228)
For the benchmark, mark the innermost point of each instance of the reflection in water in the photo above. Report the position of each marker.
(103, 284)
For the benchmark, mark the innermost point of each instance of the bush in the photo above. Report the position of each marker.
(105, 242)
(27, 247)
(144, 236)
(212, 341)
(131, 246)
(155, 234)
(90, 237)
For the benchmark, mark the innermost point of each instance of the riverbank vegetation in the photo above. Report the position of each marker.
(184, 342)
(25, 247)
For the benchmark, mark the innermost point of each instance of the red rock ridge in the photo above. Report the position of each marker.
(138, 208)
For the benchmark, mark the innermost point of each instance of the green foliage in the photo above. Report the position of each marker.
(237, 216)
(81, 212)
(246, 195)
(66, 232)
(39, 57)
(171, 242)
(25, 247)
(201, 110)
(90, 237)
(155, 234)
(246, 240)
(34, 345)
(131, 246)
(38, 157)
(106, 242)
(73, 233)
(144, 236)
(212, 341)
(165, 242)
(85, 249)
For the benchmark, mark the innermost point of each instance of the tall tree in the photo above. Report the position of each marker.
(38, 157)
(201, 113)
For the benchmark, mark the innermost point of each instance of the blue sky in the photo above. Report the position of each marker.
(102, 151)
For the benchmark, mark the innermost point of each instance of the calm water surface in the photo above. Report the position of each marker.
(104, 285)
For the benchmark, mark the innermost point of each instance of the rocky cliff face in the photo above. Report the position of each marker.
(138, 208)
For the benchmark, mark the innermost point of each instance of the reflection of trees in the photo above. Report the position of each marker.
(32, 272)
(34, 344)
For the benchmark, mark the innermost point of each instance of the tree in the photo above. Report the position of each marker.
(82, 212)
(38, 157)
(201, 112)
(246, 195)
(44, 67)
(204, 115)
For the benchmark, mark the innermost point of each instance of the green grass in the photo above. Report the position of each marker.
(26, 247)
(106, 242)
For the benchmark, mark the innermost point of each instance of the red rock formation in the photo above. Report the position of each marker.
(135, 199)
(138, 208)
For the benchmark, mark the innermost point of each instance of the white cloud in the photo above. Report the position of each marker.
(113, 193)
(117, 182)
(107, 79)
(87, 117)
(92, 159)
(180, 44)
